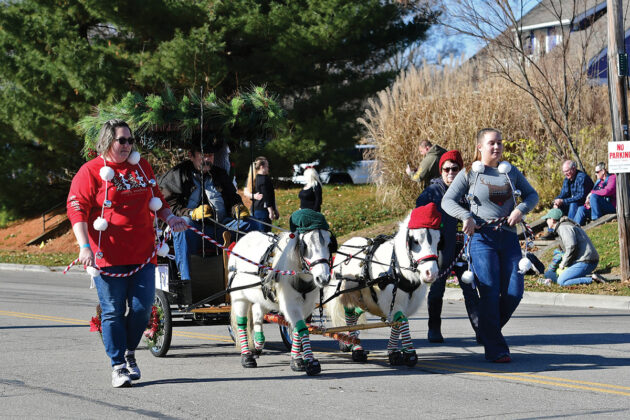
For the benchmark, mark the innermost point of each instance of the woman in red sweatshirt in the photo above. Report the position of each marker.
(112, 205)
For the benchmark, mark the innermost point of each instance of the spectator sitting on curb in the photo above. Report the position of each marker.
(429, 167)
(573, 193)
(580, 257)
(601, 200)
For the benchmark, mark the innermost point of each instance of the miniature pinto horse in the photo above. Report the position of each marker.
(391, 277)
(307, 252)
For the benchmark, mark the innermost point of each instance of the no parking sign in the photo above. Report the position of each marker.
(619, 157)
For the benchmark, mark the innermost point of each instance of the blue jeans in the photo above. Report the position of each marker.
(574, 274)
(599, 207)
(495, 256)
(123, 330)
(262, 215)
(189, 242)
(569, 210)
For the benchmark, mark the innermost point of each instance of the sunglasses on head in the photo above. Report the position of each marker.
(125, 140)
(450, 169)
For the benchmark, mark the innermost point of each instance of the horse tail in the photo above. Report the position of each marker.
(336, 312)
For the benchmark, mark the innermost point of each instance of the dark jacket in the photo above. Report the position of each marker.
(311, 198)
(575, 191)
(429, 167)
(448, 229)
(177, 186)
(264, 186)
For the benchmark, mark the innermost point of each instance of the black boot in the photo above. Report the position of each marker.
(435, 321)
(186, 293)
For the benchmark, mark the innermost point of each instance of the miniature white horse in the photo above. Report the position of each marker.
(391, 277)
(295, 296)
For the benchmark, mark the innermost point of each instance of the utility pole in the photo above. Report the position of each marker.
(617, 75)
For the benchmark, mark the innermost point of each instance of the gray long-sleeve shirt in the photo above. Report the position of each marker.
(576, 244)
(492, 195)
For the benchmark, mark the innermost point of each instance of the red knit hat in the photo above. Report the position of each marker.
(425, 217)
(453, 155)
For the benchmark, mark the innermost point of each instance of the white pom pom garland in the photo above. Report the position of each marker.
(100, 224)
(505, 167)
(468, 277)
(93, 271)
(478, 166)
(106, 173)
(524, 265)
(134, 158)
(163, 250)
(155, 204)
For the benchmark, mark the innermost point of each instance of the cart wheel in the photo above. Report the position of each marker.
(286, 333)
(164, 342)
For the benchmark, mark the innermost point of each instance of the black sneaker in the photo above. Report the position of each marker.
(598, 279)
(120, 378)
(132, 366)
(548, 236)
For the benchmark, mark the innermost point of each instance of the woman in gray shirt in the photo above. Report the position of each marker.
(494, 248)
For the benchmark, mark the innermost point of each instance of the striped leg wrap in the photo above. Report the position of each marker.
(405, 336)
(392, 344)
(351, 319)
(296, 345)
(259, 340)
(242, 334)
(302, 330)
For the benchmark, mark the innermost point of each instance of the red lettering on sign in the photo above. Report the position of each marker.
(620, 147)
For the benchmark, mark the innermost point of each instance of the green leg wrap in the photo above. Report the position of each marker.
(259, 336)
(241, 321)
(349, 311)
(400, 317)
(301, 328)
(358, 311)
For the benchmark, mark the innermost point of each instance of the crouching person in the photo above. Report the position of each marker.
(580, 257)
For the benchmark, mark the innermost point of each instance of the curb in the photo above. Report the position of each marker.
(38, 268)
(560, 299)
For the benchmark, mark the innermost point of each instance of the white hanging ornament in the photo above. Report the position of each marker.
(478, 166)
(106, 173)
(100, 224)
(524, 265)
(163, 250)
(155, 204)
(93, 271)
(467, 277)
(134, 158)
(505, 167)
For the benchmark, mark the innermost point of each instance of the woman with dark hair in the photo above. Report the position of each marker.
(112, 205)
(450, 164)
(491, 189)
(262, 194)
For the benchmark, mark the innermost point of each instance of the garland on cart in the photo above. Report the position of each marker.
(163, 120)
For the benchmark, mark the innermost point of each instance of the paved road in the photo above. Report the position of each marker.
(568, 362)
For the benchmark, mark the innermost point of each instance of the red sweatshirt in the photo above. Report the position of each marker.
(129, 237)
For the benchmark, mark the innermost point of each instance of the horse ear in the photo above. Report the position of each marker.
(333, 245)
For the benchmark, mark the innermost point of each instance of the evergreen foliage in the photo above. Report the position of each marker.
(323, 58)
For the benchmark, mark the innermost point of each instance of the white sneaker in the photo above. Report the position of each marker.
(120, 377)
(132, 366)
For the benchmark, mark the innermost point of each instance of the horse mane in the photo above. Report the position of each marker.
(400, 243)
(288, 258)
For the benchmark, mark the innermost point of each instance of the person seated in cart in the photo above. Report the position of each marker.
(181, 187)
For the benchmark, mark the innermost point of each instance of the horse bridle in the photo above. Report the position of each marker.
(414, 263)
(308, 265)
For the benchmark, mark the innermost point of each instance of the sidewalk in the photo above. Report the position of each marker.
(451, 293)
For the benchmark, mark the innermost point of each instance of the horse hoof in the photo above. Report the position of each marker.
(395, 358)
(345, 347)
(313, 367)
(257, 352)
(297, 365)
(248, 361)
(359, 356)
(410, 358)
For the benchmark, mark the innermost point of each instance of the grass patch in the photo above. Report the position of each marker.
(348, 208)
(48, 259)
